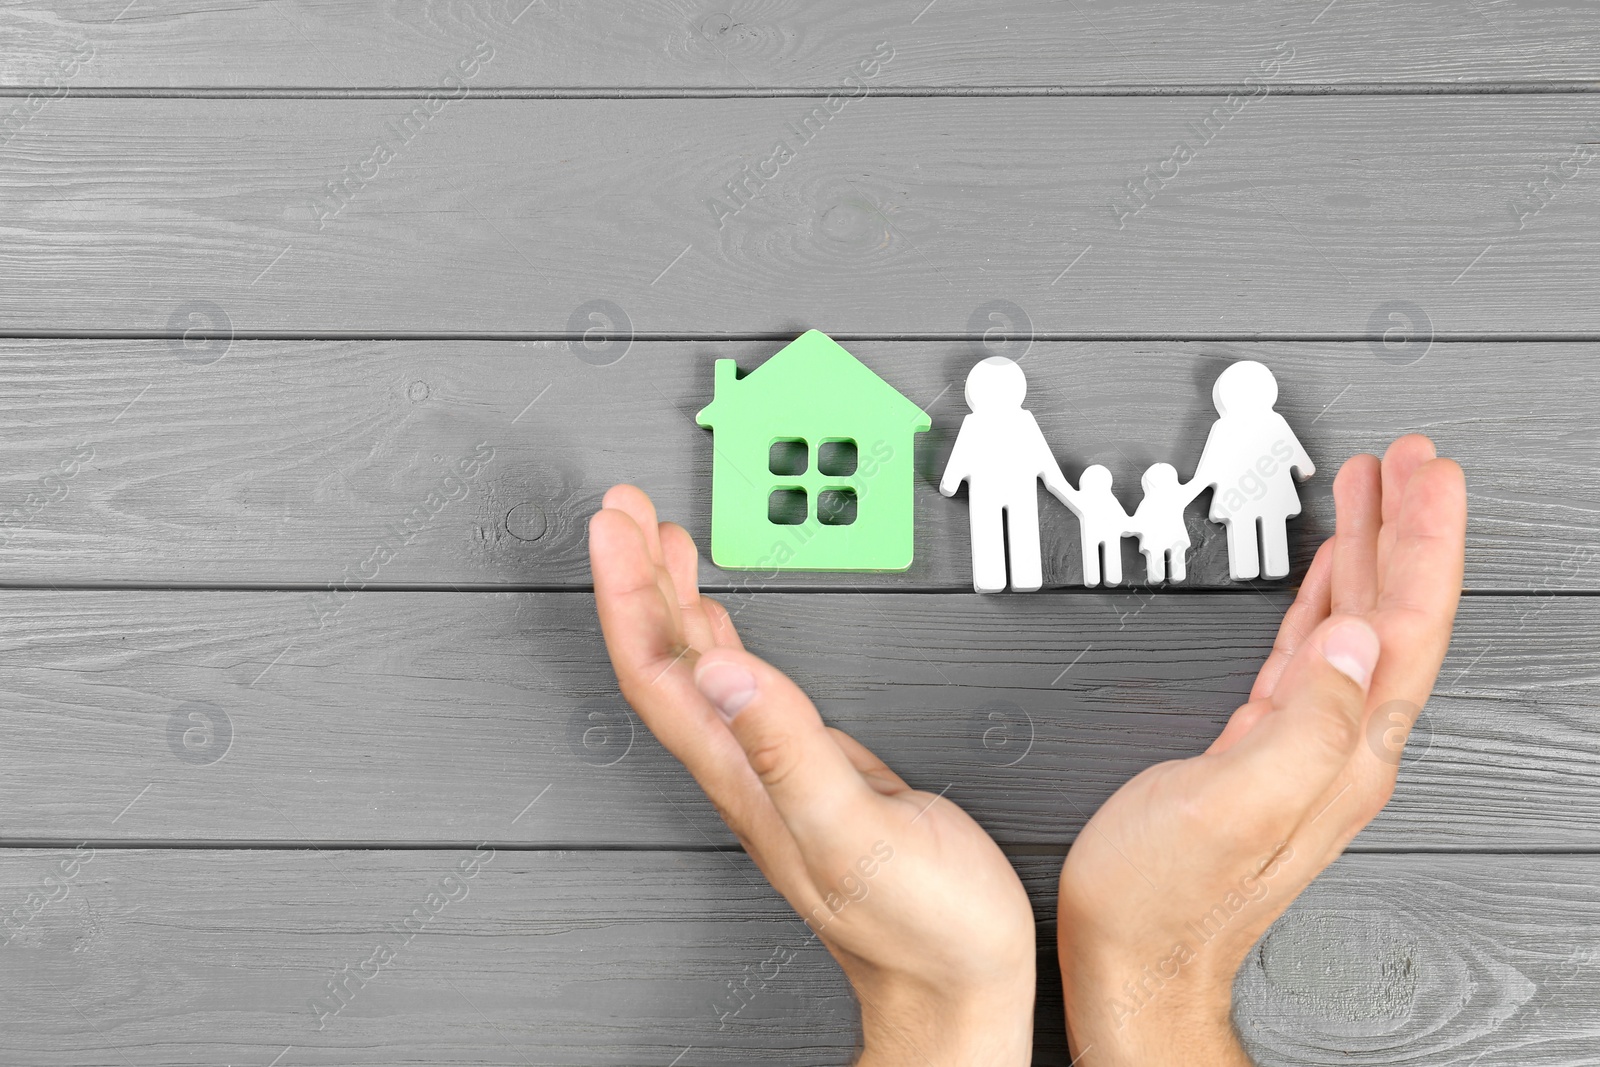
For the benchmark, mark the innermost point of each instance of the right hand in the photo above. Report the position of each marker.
(1176, 877)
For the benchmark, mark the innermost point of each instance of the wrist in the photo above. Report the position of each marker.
(1121, 1016)
(916, 1025)
(1203, 1041)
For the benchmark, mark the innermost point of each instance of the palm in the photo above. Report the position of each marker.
(1183, 835)
(946, 887)
(1396, 560)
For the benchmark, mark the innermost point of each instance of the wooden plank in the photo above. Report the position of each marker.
(1427, 959)
(448, 718)
(893, 217)
(294, 462)
(166, 957)
(171, 44)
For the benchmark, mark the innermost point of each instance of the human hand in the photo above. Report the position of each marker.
(1180, 873)
(921, 909)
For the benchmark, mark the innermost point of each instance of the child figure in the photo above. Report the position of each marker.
(1158, 522)
(1101, 524)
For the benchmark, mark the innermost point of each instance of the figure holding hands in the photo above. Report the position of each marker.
(1252, 459)
(1102, 524)
(1002, 456)
(1158, 523)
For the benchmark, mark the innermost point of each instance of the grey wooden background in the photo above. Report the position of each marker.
(270, 676)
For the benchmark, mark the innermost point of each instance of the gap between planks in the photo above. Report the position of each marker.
(709, 337)
(1016, 851)
(1219, 89)
(705, 588)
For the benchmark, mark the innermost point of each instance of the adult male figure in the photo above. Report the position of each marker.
(1001, 455)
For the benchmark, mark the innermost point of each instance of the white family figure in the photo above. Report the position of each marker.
(1158, 522)
(1001, 455)
(1102, 524)
(1250, 460)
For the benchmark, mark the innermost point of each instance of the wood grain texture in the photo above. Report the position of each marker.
(176, 957)
(288, 221)
(294, 462)
(367, 44)
(1300, 217)
(455, 718)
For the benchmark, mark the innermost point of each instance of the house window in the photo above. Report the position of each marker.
(799, 482)
(788, 457)
(786, 506)
(836, 457)
(836, 506)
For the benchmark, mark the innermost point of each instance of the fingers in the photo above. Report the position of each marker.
(1310, 607)
(640, 625)
(809, 778)
(653, 661)
(1400, 462)
(683, 564)
(682, 561)
(1358, 501)
(706, 622)
(632, 501)
(1318, 708)
(722, 628)
(1430, 539)
(1422, 583)
(654, 666)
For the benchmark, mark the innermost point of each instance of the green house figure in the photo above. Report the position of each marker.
(812, 465)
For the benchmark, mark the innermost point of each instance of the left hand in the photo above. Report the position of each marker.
(921, 909)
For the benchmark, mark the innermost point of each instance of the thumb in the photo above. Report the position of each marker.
(810, 780)
(1318, 709)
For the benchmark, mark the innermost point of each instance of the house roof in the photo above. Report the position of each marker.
(813, 373)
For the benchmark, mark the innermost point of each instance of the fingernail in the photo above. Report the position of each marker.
(1352, 648)
(729, 687)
